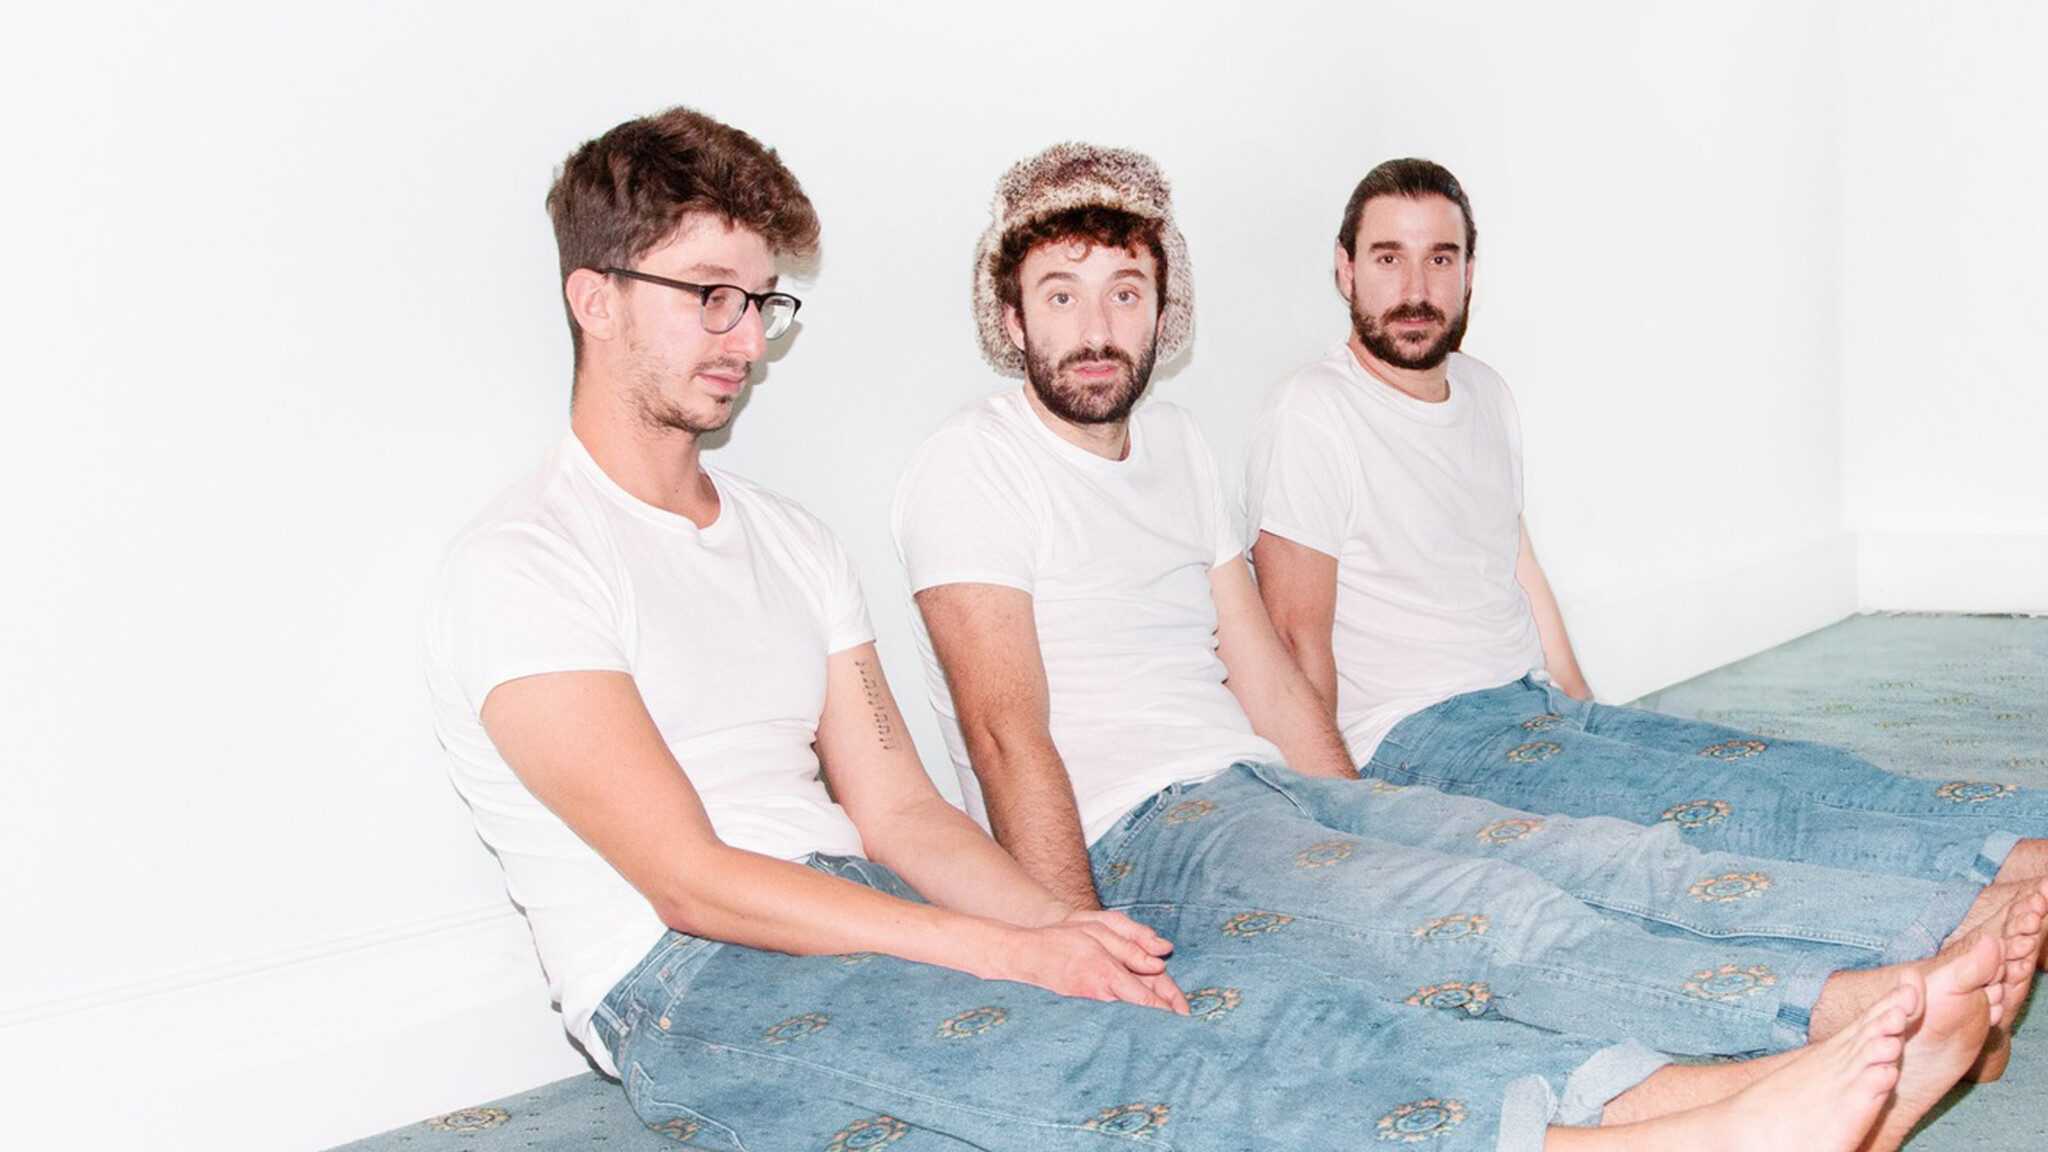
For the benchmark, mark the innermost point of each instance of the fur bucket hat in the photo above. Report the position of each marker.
(1073, 175)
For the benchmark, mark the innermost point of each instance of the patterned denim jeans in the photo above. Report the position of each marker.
(1530, 746)
(1591, 927)
(728, 1047)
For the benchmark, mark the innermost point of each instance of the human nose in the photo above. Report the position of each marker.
(1096, 328)
(749, 337)
(1414, 280)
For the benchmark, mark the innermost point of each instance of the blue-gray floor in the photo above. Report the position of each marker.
(1941, 697)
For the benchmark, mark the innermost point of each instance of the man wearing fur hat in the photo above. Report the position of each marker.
(1118, 706)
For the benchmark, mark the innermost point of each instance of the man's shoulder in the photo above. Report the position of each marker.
(1317, 393)
(757, 501)
(1163, 422)
(987, 417)
(1165, 414)
(983, 430)
(534, 512)
(529, 543)
(1475, 373)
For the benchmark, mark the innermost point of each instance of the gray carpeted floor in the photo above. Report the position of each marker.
(1942, 697)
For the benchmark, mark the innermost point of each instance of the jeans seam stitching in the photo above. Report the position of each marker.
(935, 1101)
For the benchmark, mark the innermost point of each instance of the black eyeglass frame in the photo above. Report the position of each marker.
(758, 300)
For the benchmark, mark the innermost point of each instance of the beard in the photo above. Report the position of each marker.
(659, 413)
(1107, 403)
(1372, 332)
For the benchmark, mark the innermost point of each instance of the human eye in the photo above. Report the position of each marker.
(1060, 299)
(1125, 296)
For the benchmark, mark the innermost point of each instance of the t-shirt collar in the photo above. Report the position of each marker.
(1451, 410)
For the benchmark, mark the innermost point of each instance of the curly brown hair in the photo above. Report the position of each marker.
(627, 191)
(1091, 224)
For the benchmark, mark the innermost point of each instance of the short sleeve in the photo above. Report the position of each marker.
(845, 608)
(963, 514)
(1227, 538)
(515, 602)
(1511, 426)
(1299, 483)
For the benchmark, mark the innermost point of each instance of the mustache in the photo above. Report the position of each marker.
(728, 366)
(1106, 352)
(1421, 310)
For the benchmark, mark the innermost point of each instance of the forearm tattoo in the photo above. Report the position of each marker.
(878, 704)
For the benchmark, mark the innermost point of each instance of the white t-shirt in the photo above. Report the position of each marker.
(1116, 555)
(1421, 504)
(725, 631)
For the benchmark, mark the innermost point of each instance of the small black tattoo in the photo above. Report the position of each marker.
(871, 686)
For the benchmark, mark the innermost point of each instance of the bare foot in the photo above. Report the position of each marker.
(1849, 992)
(1990, 902)
(1961, 1003)
(2019, 942)
(2040, 889)
(1825, 1098)
(2027, 861)
(2041, 961)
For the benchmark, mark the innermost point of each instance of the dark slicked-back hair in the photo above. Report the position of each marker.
(1410, 178)
(627, 192)
(1093, 224)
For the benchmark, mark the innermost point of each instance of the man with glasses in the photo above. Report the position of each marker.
(1384, 488)
(640, 665)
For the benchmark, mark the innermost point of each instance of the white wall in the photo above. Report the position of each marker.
(1947, 477)
(283, 314)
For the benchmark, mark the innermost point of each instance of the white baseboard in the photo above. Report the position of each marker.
(302, 1052)
(1654, 637)
(1953, 572)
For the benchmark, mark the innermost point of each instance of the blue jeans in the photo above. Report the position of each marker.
(1529, 746)
(1401, 894)
(722, 1046)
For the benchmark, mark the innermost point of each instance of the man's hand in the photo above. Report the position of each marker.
(1094, 956)
(1155, 947)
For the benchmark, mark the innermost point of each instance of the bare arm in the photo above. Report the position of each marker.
(1299, 588)
(903, 821)
(584, 744)
(905, 824)
(986, 638)
(1558, 658)
(1283, 706)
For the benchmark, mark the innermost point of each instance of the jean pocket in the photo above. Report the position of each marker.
(1113, 845)
(680, 966)
(651, 1101)
(1416, 728)
(1391, 754)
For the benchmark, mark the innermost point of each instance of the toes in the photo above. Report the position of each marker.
(1895, 1010)
(1912, 990)
(1886, 1049)
(1877, 1080)
(1975, 966)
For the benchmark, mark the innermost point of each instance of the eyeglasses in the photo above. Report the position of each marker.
(726, 304)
